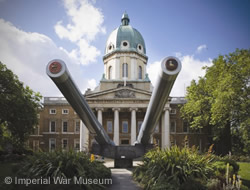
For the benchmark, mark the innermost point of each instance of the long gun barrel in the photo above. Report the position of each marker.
(170, 67)
(58, 72)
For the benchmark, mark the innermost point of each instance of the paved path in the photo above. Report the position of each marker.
(122, 178)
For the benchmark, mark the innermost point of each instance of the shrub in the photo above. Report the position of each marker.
(220, 169)
(233, 163)
(66, 165)
(213, 184)
(174, 168)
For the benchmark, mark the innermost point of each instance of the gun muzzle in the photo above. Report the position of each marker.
(58, 72)
(170, 68)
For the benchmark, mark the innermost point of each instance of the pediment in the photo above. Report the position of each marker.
(124, 93)
(120, 93)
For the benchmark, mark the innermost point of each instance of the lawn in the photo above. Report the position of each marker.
(244, 172)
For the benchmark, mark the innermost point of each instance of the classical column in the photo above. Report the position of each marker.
(99, 114)
(133, 125)
(166, 129)
(84, 137)
(116, 125)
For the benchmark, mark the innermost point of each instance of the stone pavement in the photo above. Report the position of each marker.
(122, 178)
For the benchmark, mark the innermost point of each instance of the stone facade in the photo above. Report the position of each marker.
(41, 139)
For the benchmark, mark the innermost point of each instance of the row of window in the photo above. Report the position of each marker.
(124, 71)
(124, 126)
(64, 111)
(52, 144)
(125, 45)
(52, 126)
(64, 143)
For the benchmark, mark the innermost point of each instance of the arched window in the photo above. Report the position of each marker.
(124, 70)
(110, 73)
(140, 72)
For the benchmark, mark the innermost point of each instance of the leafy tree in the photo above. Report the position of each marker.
(19, 107)
(220, 102)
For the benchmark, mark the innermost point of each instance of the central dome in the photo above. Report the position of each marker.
(125, 38)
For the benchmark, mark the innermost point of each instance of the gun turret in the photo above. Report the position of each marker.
(58, 72)
(170, 68)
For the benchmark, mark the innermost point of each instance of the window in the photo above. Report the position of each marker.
(173, 111)
(140, 48)
(52, 144)
(140, 73)
(124, 126)
(77, 126)
(52, 111)
(185, 127)
(52, 128)
(124, 44)
(124, 141)
(109, 126)
(65, 126)
(77, 144)
(124, 70)
(65, 111)
(172, 126)
(110, 73)
(111, 47)
(35, 145)
(139, 124)
(64, 144)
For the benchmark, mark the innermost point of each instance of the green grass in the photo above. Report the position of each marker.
(244, 172)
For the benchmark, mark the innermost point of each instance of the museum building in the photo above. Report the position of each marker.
(119, 102)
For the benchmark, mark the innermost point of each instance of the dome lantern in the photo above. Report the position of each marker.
(125, 19)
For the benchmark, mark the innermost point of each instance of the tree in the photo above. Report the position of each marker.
(19, 108)
(220, 102)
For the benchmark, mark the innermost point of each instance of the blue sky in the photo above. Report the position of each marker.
(34, 32)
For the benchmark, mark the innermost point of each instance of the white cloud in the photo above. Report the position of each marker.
(92, 84)
(27, 55)
(85, 24)
(201, 48)
(153, 71)
(191, 69)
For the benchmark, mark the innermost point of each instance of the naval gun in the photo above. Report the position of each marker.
(122, 155)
